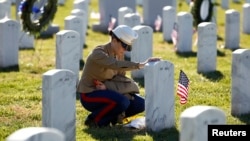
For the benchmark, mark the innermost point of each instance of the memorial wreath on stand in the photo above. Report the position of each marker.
(35, 18)
(202, 11)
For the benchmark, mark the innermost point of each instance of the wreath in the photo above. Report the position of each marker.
(202, 11)
(36, 19)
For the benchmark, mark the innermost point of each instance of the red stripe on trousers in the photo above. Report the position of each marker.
(111, 105)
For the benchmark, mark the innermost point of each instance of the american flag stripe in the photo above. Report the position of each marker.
(183, 101)
(182, 90)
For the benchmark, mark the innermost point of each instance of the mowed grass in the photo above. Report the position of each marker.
(21, 91)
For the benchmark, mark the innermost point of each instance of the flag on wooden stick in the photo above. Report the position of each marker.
(182, 88)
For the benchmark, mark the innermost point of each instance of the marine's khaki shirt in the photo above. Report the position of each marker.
(102, 64)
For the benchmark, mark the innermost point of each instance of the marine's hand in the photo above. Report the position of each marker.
(151, 59)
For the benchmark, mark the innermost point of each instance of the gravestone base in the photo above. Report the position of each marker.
(51, 30)
(100, 27)
(26, 41)
(9, 68)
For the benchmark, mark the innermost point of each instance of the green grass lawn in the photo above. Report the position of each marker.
(21, 93)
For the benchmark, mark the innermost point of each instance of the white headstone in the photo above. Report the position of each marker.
(159, 95)
(194, 122)
(13, 1)
(240, 82)
(108, 9)
(121, 13)
(61, 2)
(142, 48)
(36, 134)
(225, 4)
(83, 5)
(207, 47)
(67, 51)
(83, 15)
(236, 1)
(214, 16)
(139, 2)
(26, 41)
(59, 101)
(132, 19)
(50, 31)
(9, 42)
(246, 18)
(5, 9)
(185, 32)
(75, 23)
(169, 18)
(232, 32)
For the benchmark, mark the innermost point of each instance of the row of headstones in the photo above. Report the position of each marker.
(8, 27)
(173, 23)
(60, 2)
(207, 43)
(207, 37)
(59, 94)
(151, 11)
(66, 54)
(79, 17)
(26, 40)
(128, 17)
(142, 47)
(74, 35)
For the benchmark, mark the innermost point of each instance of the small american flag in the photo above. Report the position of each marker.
(182, 89)
(111, 23)
(158, 22)
(174, 34)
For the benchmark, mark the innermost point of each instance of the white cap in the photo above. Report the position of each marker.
(125, 33)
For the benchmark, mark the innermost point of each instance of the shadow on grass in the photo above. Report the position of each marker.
(171, 134)
(127, 134)
(14, 68)
(194, 54)
(219, 38)
(186, 54)
(220, 53)
(30, 48)
(44, 36)
(238, 2)
(244, 118)
(213, 76)
(113, 133)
